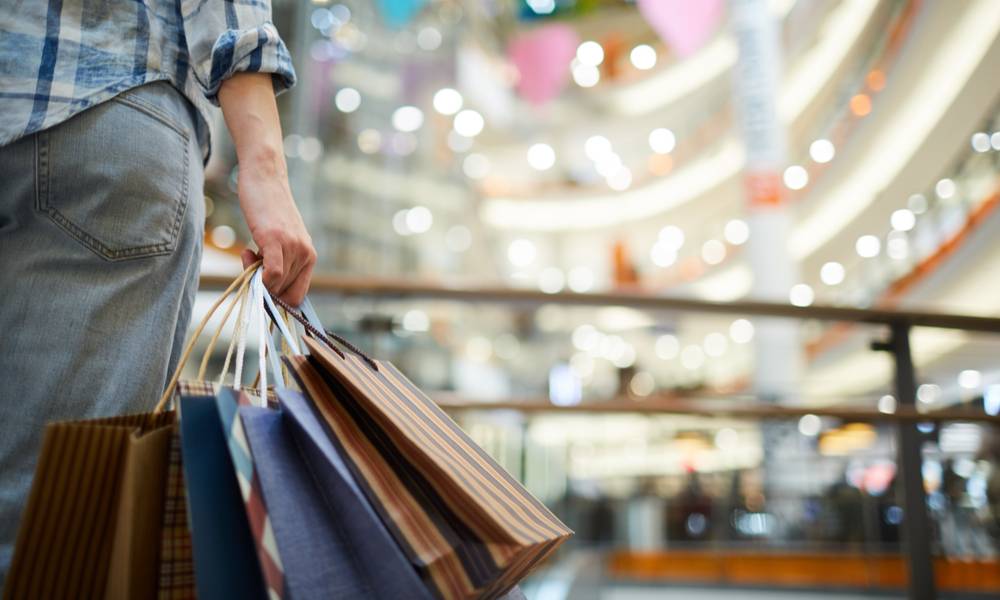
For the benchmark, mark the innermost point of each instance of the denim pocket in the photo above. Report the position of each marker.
(115, 178)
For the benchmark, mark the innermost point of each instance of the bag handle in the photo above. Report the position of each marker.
(172, 385)
(306, 315)
(238, 335)
(239, 299)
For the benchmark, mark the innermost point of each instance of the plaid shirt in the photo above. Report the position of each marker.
(59, 57)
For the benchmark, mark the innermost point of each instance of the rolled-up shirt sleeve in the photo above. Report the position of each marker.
(225, 37)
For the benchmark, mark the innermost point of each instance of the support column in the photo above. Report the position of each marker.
(916, 526)
(756, 83)
(777, 346)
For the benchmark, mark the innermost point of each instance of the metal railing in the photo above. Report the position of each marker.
(916, 526)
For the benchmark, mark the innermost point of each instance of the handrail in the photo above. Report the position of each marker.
(399, 288)
(756, 410)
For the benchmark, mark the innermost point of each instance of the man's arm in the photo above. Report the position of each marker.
(247, 101)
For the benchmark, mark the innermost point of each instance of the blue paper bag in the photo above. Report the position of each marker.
(332, 542)
(225, 561)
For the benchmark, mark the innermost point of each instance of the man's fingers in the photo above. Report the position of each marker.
(248, 257)
(299, 287)
(288, 265)
(274, 269)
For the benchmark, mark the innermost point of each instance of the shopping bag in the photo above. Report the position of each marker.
(333, 543)
(226, 532)
(94, 519)
(467, 526)
(225, 561)
(106, 516)
(235, 554)
(176, 568)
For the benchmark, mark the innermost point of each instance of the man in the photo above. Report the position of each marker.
(102, 140)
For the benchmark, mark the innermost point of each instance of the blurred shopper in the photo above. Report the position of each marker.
(962, 533)
(991, 454)
(644, 512)
(103, 131)
(845, 507)
(890, 514)
(691, 511)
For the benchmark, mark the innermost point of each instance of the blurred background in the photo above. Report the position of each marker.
(564, 164)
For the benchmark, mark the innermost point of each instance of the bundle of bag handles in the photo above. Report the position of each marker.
(257, 308)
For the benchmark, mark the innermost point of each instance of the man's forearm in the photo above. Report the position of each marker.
(251, 114)
(247, 101)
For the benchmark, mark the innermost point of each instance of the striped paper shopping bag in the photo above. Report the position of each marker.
(467, 526)
(93, 524)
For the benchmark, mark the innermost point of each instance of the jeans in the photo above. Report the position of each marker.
(101, 223)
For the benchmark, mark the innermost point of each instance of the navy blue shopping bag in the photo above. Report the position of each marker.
(332, 543)
(225, 559)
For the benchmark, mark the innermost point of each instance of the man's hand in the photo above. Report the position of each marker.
(247, 101)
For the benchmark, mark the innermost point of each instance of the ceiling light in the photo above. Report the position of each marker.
(590, 53)
(928, 393)
(429, 38)
(917, 203)
(832, 273)
(663, 254)
(801, 295)
(620, 180)
(469, 123)
(347, 100)
(945, 188)
(713, 252)
(822, 151)
(741, 331)
(667, 346)
(737, 232)
(810, 425)
(416, 320)
(642, 384)
(970, 379)
(447, 101)
(868, 246)
(903, 220)
(662, 140)
(980, 141)
(407, 118)
(586, 76)
(608, 165)
(672, 236)
(521, 253)
(796, 177)
(419, 219)
(551, 280)
(541, 157)
(898, 247)
(597, 147)
(581, 279)
(643, 57)
(542, 7)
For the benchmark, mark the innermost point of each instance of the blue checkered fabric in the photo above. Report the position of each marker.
(59, 57)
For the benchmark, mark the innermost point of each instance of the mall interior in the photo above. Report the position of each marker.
(716, 280)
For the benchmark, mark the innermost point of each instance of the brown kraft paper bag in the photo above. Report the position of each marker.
(93, 524)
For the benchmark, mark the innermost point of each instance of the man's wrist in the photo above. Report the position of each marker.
(263, 159)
